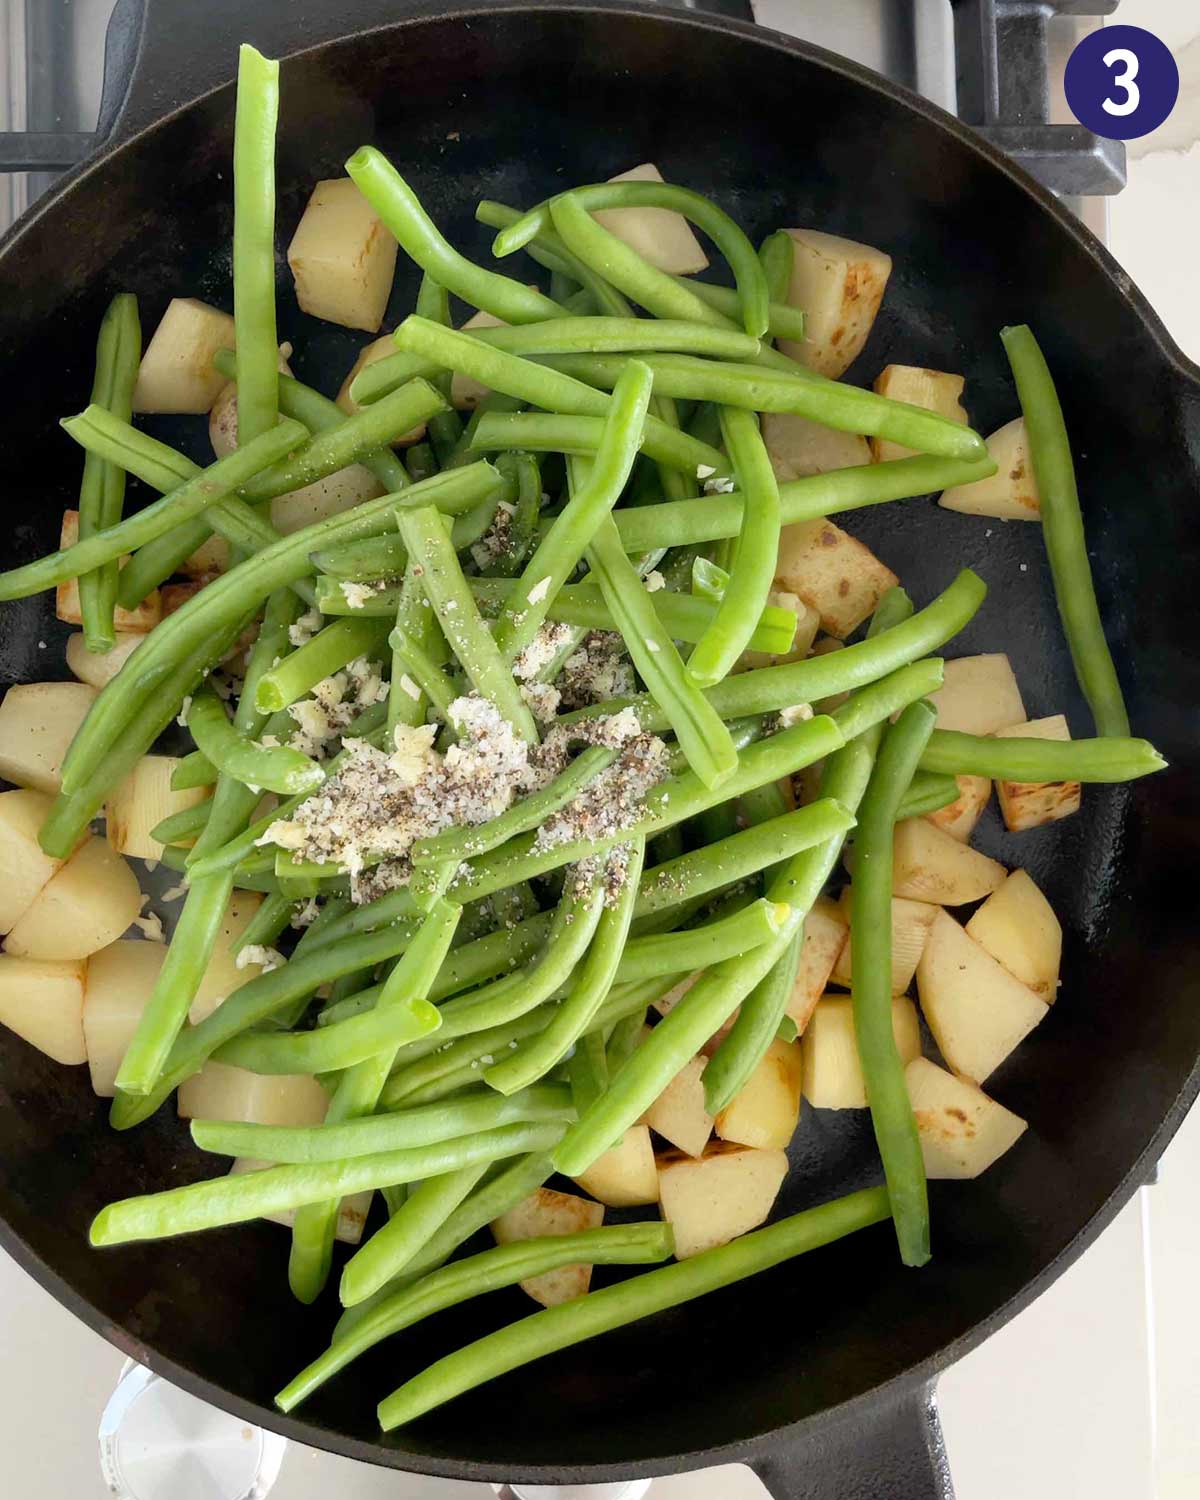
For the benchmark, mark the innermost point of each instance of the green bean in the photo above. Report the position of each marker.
(205, 617)
(467, 1053)
(416, 619)
(750, 580)
(193, 770)
(329, 1049)
(358, 1090)
(254, 241)
(549, 251)
(704, 870)
(1105, 759)
(431, 682)
(210, 485)
(927, 793)
(758, 1022)
(1062, 529)
(616, 1306)
(698, 727)
(587, 1071)
(444, 428)
(401, 212)
(752, 387)
(390, 1248)
(446, 589)
(784, 322)
(244, 879)
(363, 562)
(767, 689)
(871, 935)
(367, 1135)
(682, 523)
(521, 530)
(596, 976)
(328, 652)
(276, 768)
(102, 488)
(264, 927)
(422, 463)
(539, 385)
(624, 1039)
(629, 272)
(253, 1195)
(183, 825)
(574, 529)
(777, 255)
(504, 1265)
(591, 335)
(703, 946)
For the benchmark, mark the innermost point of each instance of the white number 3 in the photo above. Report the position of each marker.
(1123, 81)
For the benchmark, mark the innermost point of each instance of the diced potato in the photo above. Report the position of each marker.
(929, 865)
(678, 1114)
(958, 818)
(839, 284)
(807, 623)
(799, 447)
(326, 497)
(223, 976)
(141, 801)
(625, 1176)
(1011, 493)
(978, 695)
(548, 1212)
(832, 1072)
(38, 721)
(352, 1215)
(88, 904)
(671, 998)
(120, 980)
(343, 257)
(209, 559)
(66, 595)
(222, 419)
(766, 1110)
(97, 668)
(659, 235)
(24, 866)
(825, 933)
(466, 393)
(975, 1008)
(829, 569)
(962, 1132)
(379, 349)
(42, 1001)
(727, 1191)
(1017, 926)
(177, 372)
(932, 389)
(1029, 804)
(219, 1091)
(911, 921)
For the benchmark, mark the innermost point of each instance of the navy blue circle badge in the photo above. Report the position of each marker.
(1121, 82)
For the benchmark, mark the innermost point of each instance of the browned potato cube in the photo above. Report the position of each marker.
(710, 1200)
(839, 283)
(911, 921)
(958, 818)
(177, 372)
(1011, 493)
(978, 695)
(962, 1132)
(678, 1114)
(825, 933)
(766, 1109)
(342, 257)
(929, 865)
(829, 569)
(1017, 926)
(548, 1212)
(1029, 804)
(66, 595)
(799, 447)
(932, 389)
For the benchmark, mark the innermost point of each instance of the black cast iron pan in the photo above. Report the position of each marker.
(817, 1374)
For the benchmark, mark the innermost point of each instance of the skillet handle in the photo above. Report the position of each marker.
(893, 1449)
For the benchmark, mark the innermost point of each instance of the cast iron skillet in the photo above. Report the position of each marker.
(817, 1374)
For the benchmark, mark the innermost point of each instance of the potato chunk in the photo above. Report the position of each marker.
(66, 595)
(625, 1176)
(548, 1212)
(219, 1091)
(177, 372)
(38, 721)
(833, 1076)
(343, 257)
(98, 668)
(829, 569)
(1011, 493)
(958, 818)
(24, 866)
(711, 1200)
(911, 921)
(825, 933)
(120, 980)
(42, 1001)
(659, 235)
(88, 904)
(223, 975)
(929, 865)
(143, 800)
(935, 390)
(975, 1008)
(799, 447)
(1017, 926)
(766, 1109)
(978, 695)
(962, 1132)
(807, 624)
(678, 1114)
(839, 284)
(1029, 804)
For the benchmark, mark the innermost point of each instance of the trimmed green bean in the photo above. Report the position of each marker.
(928, 792)
(431, 682)
(255, 119)
(328, 1049)
(467, 1052)
(586, 1317)
(549, 251)
(252, 1195)
(1106, 759)
(592, 335)
(444, 429)
(276, 768)
(784, 322)
(364, 562)
(193, 770)
(264, 927)
(871, 987)
(102, 488)
(184, 825)
(703, 946)
(1062, 529)
(776, 256)
(329, 651)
